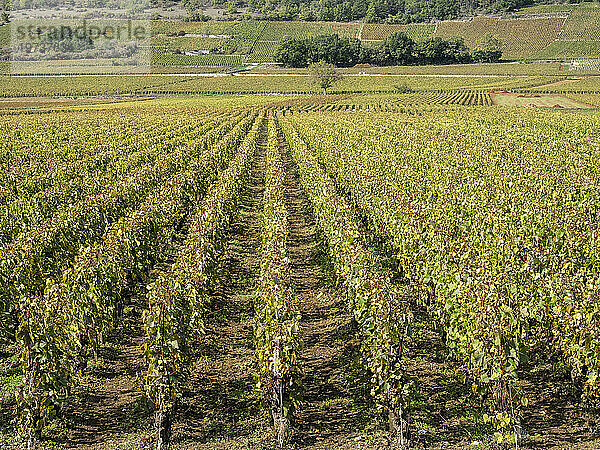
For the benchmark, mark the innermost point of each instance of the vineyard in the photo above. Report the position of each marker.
(394, 102)
(348, 271)
(555, 37)
(572, 85)
(378, 32)
(565, 32)
(73, 86)
(520, 38)
(198, 250)
(583, 24)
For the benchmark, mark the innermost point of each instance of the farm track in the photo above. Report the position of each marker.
(328, 414)
(107, 404)
(221, 408)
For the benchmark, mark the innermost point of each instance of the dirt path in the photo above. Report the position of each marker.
(222, 410)
(107, 407)
(332, 411)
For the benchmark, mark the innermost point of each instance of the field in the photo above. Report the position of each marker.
(520, 38)
(251, 84)
(583, 24)
(569, 49)
(196, 257)
(578, 38)
(328, 271)
(572, 84)
(590, 99)
(570, 32)
(537, 101)
(378, 32)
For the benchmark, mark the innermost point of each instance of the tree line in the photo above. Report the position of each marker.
(370, 11)
(397, 50)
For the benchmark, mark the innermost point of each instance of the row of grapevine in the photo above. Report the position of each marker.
(382, 312)
(178, 299)
(394, 103)
(90, 291)
(43, 250)
(135, 241)
(276, 321)
(500, 247)
(33, 199)
(590, 99)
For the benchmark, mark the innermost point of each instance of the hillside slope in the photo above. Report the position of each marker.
(559, 35)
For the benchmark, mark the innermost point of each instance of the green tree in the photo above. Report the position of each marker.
(398, 49)
(292, 53)
(324, 75)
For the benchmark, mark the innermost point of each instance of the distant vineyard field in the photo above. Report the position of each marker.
(168, 59)
(590, 99)
(567, 32)
(583, 24)
(574, 85)
(263, 51)
(277, 31)
(209, 28)
(301, 84)
(520, 38)
(569, 49)
(80, 86)
(578, 38)
(378, 32)
(274, 33)
(188, 43)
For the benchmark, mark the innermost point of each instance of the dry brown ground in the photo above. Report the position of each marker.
(538, 101)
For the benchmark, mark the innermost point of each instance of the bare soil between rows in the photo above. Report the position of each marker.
(221, 409)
